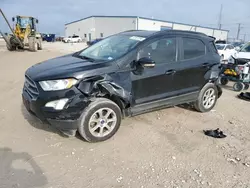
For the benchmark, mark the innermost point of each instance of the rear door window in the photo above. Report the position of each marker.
(193, 48)
(161, 51)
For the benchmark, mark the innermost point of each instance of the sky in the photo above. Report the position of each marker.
(53, 14)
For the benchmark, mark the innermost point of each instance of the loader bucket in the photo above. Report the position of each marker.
(16, 39)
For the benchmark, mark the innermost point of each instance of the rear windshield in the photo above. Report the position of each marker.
(220, 47)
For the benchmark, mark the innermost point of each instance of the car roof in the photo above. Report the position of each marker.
(146, 34)
(140, 33)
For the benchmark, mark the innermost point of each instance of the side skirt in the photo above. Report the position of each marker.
(162, 103)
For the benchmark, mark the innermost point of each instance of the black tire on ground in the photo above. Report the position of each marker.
(11, 48)
(224, 81)
(199, 105)
(98, 104)
(33, 45)
(238, 86)
(246, 86)
(40, 47)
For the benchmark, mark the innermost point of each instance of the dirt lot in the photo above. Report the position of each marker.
(159, 149)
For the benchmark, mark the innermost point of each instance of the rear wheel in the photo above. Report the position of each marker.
(40, 47)
(33, 45)
(238, 86)
(207, 98)
(100, 120)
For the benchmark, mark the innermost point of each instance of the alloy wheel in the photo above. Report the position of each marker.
(209, 98)
(102, 122)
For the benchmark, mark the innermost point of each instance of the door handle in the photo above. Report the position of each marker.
(170, 72)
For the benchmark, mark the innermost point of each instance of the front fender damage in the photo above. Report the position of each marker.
(115, 86)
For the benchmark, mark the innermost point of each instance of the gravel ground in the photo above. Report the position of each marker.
(165, 148)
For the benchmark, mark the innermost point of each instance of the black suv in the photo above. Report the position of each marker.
(123, 75)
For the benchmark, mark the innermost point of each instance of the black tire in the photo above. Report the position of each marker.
(11, 48)
(94, 106)
(198, 105)
(246, 86)
(238, 86)
(224, 81)
(33, 46)
(40, 47)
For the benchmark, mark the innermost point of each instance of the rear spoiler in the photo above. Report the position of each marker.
(212, 37)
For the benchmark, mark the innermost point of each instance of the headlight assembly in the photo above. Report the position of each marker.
(55, 85)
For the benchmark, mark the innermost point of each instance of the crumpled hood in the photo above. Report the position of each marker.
(63, 67)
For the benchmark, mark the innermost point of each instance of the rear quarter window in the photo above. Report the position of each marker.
(193, 48)
(212, 47)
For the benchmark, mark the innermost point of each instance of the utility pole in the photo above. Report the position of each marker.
(238, 32)
(220, 16)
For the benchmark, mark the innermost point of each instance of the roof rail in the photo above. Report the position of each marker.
(184, 31)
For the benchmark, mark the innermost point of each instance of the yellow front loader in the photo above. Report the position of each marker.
(24, 34)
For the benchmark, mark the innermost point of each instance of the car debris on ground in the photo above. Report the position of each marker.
(215, 133)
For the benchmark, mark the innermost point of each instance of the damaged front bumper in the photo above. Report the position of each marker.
(66, 120)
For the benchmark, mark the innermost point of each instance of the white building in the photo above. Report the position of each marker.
(94, 27)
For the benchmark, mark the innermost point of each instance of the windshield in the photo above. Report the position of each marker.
(24, 22)
(111, 48)
(220, 47)
(245, 48)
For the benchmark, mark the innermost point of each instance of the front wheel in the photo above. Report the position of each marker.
(207, 98)
(100, 120)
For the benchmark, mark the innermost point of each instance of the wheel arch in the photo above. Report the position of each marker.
(101, 87)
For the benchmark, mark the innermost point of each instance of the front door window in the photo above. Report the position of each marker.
(154, 83)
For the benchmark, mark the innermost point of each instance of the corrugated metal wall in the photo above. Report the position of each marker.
(110, 26)
(83, 28)
(97, 27)
(154, 25)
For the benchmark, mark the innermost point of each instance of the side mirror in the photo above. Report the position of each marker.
(37, 21)
(13, 19)
(146, 62)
